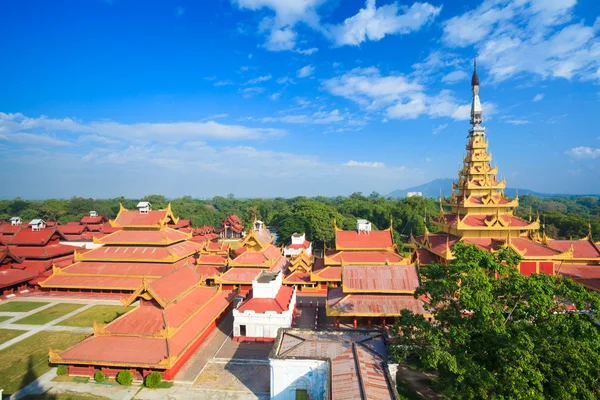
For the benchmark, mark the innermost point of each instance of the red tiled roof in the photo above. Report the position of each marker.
(438, 241)
(304, 245)
(329, 273)
(72, 229)
(174, 284)
(533, 249)
(86, 219)
(579, 271)
(370, 304)
(9, 277)
(380, 278)
(146, 253)
(135, 218)
(42, 252)
(279, 304)
(212, 259)
(357, 361)
(250, 258)
(158, 237)
(363, 240)
(210, 271)
(92, 282)
(425, 257)
(486, 244)
(7, 255)
(183, 223)
(27, 236)
(119, 349)
(124, 268)
(479, 220)
(240, 275)
(8, 229)
(581, 248)
(298, 277)
(365, 256)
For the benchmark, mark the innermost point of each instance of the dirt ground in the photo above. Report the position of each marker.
(235, 377)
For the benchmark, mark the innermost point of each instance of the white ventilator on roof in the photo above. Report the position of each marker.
(362, 225)
(37, 224)
(16, 221)
(144, 206)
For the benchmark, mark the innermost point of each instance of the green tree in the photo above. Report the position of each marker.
(497, 334)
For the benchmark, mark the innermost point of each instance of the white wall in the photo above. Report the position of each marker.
(288, 375)
(82, 244)
(263, 324)
(266, 290)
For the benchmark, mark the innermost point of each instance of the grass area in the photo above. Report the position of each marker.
(25, 361)
(68, 395)
(20, 306)
(100, 314)
(7, 334)
(49, 314)
(4, 318)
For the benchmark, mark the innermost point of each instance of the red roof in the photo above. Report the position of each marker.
(135, 218)
(380, 278)
(364, 256)
(42, 252)
(8, 229)
(183, 223)
(72, 229)
(124, 268)
(9, 277)
(86, 219)
(579, 271)
(363, 240)
(298, 277)
(425, 257)
(174, 284)
(250, 258)
(27, 236)
(212, 259)
(279, 304)
(479, 220)
(304, 245)
(371, 304)
(332, 273)
(581, 248)
(145, 253)
(533, 249)
(92, 282)
(486, 244)
(158, 237)
(210, 271)
(240, 275)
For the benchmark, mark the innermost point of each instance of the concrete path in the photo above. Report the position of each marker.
(33, 329)
(39, 386)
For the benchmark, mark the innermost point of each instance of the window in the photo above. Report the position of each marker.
(242, 330)
(302, 394)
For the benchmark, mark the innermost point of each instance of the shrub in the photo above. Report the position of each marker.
(125, 378)
(99, 376)
(62, 370)
(153, 379)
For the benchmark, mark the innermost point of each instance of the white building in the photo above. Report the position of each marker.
(267, 307)
(298, 245)
(362, 225)
(14, 221)
(37, 224)
(307, 364)
(414, 194)
(144, 207)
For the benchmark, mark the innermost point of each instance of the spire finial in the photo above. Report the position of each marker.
(475, 78)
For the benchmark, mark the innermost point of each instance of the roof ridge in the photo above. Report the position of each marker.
(296, 345)
(361, 384)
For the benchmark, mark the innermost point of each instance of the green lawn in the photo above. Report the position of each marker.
(100, 314)
(20, 306)
(25, 361)
(4, 318)
(68, 395)
(7, 334)
(49, 314)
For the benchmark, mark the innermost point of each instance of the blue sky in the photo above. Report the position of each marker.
(283, 98)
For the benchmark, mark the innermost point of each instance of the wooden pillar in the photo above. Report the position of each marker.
(336, 322)
(370, 323)
(355, 324)
(383, 323)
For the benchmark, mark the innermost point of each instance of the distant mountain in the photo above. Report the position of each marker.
(432, 189)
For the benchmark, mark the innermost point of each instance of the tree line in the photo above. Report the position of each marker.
(564, 217)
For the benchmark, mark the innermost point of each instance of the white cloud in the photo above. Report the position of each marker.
(319, 118)
(36, 139)
(399, 96)
(251, 91)
(440, 128)
(527, 36)
(583, 152)
(368, 164)
(275, 96)
(373, 23)
(258, 79)
(455, 76)
(518, 121)
(308, 52)
(284, 80)
(19, 127)
(538, 97)
(306, 71)
(369, 23)
(223, 83)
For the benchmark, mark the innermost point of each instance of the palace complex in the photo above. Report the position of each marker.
(479, 213)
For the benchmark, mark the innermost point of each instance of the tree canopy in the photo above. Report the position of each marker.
(497, 334)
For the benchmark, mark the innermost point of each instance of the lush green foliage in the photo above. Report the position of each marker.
(152, 380)
(499, 335)
(62, 370)
(125, 377)
(99, 376)
(564, 216)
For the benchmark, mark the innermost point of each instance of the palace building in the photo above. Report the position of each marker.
(146, 246)
(256, 254)
(231, 228)
(478, 212)
(176, 313)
